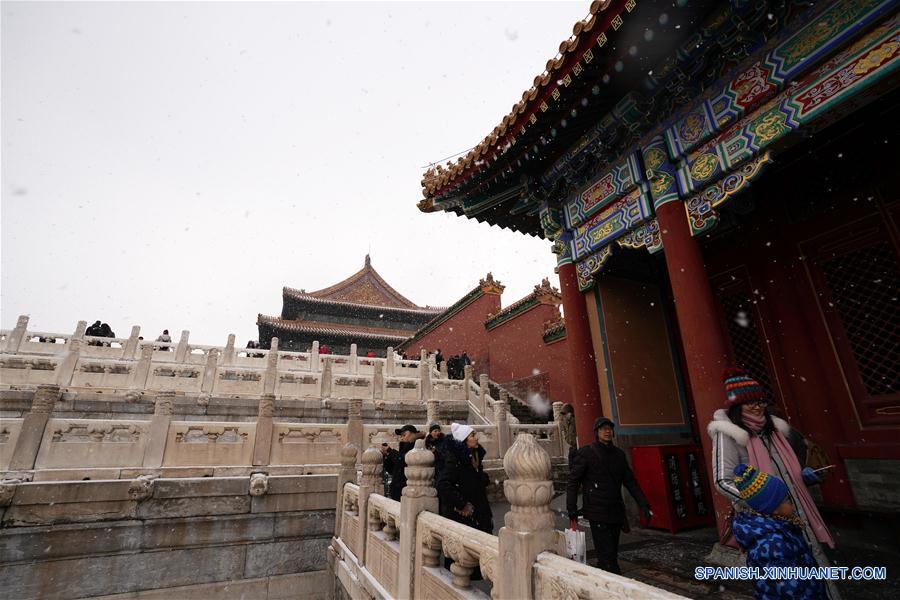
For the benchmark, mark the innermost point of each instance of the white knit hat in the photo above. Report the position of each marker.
(460, 431)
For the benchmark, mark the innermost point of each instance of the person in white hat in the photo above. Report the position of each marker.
(462, 485)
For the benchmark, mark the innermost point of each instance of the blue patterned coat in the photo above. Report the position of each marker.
(772, 542)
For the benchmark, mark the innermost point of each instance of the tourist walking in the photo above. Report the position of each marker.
(395, 460)
(771, 534)
(599, 471)
(747, 432)
(438, 358)
(462, 485)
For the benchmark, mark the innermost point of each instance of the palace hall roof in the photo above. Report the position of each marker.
(365, 288)
(611, 53)
(331, 330)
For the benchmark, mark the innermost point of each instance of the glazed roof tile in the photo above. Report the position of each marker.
(584, 33)
(331, 330)
(365, 288)
(308, 297)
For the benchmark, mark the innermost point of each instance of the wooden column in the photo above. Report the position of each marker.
(704, 341)
(582, 360)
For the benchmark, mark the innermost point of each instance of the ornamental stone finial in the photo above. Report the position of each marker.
(529, 487)
(372, 462)
(348, 456)
(419, 472)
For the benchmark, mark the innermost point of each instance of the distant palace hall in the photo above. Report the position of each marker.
(362, 309)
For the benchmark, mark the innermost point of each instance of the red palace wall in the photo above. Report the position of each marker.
(508, 353)
(463, 332)
(517, 350)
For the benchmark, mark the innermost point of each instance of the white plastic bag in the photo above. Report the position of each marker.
(575, 546)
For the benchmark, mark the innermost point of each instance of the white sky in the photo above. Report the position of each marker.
(173, 165)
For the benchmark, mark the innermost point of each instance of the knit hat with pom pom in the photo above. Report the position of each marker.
(761, 491)
(741, 388)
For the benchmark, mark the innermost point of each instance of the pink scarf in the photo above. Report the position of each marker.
(759, 458)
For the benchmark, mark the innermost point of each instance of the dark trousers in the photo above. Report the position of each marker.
(606, 543)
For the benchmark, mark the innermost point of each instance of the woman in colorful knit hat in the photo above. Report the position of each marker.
(771, 534)
(745, 431)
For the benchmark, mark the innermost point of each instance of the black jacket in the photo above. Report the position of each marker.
(600, 471)
(395, 464)
(437, 446)
(460, 483)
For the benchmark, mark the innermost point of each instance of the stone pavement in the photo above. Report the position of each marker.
(668, 560)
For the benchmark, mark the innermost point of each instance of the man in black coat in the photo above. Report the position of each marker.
(395, 461)
(600, 470)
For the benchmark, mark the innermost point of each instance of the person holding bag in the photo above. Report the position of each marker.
(599, 471)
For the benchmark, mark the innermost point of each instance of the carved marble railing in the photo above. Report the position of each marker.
(558, 577)
(466, 547)
(548, 436)
(351, 523)
(30, 358)
(76, 361)
(387, 549)
(383, 541)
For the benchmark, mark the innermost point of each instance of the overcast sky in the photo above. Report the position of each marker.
(173, 165)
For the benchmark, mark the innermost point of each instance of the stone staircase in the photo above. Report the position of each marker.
(519, 408)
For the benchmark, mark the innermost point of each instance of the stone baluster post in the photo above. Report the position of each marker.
(418, 495)
(378, 381)
(314, 360)
(228, 353)
(142, 370)
(326, 378)
(33, 426)
(443, 370)
(346, 474)
(164, 406)
(271, 374)
(262, 445)
(504, 397)
(432, 411)
(483, 394)
(354, 422)
(372, 465)
(558, 421)
(468, 371)
(353, 366)
(14, 341)
(130, 350)
(209, 372)
(426, 384)
(181, 350)
(389, 362)
(528, 526)
(66, 369)
(80, 328)
(501, 418)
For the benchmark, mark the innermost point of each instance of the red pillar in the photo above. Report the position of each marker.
(703, 339)
(582, 366)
